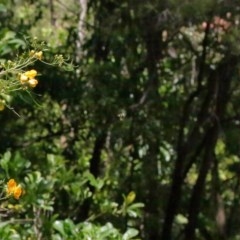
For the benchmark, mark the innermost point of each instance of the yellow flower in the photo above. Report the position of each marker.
(38, 55)
(23, 78)
(31, 74)
(11, 184)
(32, 82)
(35, 54)
(32, 52)
(29, 78)
(17, 192)
(13, 189)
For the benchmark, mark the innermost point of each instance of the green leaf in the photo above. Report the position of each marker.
(58, 225)
(130, 234)
(5, 162)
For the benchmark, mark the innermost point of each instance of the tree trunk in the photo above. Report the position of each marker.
(194, 207)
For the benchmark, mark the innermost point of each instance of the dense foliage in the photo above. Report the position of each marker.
(140, 139)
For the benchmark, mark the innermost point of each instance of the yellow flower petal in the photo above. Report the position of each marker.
(11, 183)
(33, 82)
(31, 74)
(32, 52)
(17, 192)
(23, 78)
(38, 55)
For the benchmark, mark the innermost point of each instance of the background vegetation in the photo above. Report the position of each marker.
(141, 140)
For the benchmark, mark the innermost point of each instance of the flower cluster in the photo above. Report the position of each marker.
(13, 189)
(35, 54)
(28, 78)
(18, 75)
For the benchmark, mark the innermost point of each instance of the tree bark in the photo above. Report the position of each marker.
(81, 29)
(222, 78)
(211, 139)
